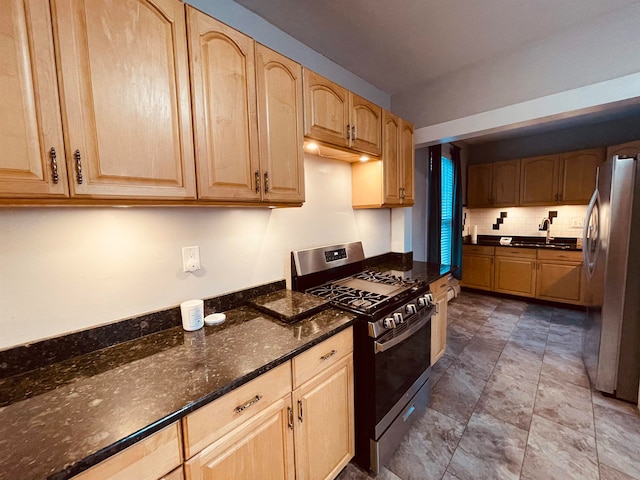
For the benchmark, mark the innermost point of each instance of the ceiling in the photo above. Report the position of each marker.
(399, 44)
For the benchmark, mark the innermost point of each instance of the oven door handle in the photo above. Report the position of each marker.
(384, 346)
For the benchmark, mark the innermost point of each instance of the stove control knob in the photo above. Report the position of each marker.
(411, 309)
(398, 318)
(389, 323)
(422, 302)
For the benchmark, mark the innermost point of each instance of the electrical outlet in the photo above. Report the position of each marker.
(190, 259)
(577, 222)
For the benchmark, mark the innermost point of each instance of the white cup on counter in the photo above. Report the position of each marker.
(192, 314)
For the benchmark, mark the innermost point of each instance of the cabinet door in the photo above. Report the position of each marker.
(477, 271)
(223, 83)
(280, 121)
(126, 100)
(326, 110)
(261, 448)
(538, 180)
(366, 125)
(407, 153)
(439, 319)
(577, 179)
(30, 125)
(479, 180)
(324, 432)
(391, 157)
(559, 281)
(515, 275)
(506, 184)
(149, 459)
(630, 149)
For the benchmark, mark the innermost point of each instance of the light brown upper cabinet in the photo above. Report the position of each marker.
(338, 117)
(126, 103)
(247, 116)
(493, 184)
(32, 163)
(630, 149)
(280, 129)
(223, 78)
(539, 180)
(566, 178)
(577, 179)
(387, 182)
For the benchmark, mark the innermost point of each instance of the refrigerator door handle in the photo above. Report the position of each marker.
(590, 235)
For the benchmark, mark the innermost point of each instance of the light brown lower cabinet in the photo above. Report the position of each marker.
(515, 271)
(262, 447)
(149, 459)
(256, 431)
(439, 290)
(477, 267)
(177, 474)
(559, 276)
(554, 275)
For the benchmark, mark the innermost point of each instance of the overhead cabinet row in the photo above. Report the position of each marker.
(347, 127)
(137, 101)
(566, 178)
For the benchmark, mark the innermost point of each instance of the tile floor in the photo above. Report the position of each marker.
(511, 400)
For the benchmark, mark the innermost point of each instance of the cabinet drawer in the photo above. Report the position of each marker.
(312, 362)
(209, 423)
(148, 459)
(478, 249)
(177, 474)
(560, 255)
(440, 286)
(515, 252)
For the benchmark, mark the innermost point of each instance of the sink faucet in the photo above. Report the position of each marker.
(546, 226)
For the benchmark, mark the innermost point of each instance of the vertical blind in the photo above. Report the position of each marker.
(446, 231)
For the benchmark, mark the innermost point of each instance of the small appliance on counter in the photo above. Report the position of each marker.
(392, 342)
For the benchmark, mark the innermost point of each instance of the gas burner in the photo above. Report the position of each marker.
(348, 296)
(385, 278)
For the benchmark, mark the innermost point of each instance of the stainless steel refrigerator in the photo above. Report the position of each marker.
(611, 251)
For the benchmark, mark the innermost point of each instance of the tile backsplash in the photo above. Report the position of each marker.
(525, 220)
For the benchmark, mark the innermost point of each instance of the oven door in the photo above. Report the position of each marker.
(402, 360)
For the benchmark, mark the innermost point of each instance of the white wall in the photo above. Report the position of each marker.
(592, 53)
(68, 269)
(246, 21)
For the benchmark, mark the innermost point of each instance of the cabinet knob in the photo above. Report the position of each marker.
(78, 159)
(257, 177)
(54, 164)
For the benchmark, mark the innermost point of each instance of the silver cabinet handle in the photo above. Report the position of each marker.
(328, 355)
(253, 401)
(257, 181)
(300, 410)
(76, 156)
(266, 182)
(290, 411)
(348, 131)
(353, 132)
(54, 164)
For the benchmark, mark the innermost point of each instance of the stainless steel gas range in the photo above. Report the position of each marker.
(392, 342)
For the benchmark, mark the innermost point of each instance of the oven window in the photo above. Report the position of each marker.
(398, 368)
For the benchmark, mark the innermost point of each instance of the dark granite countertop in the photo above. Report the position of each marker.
(558, 243)
(63, 418)
(419, 270)
(288, 305)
